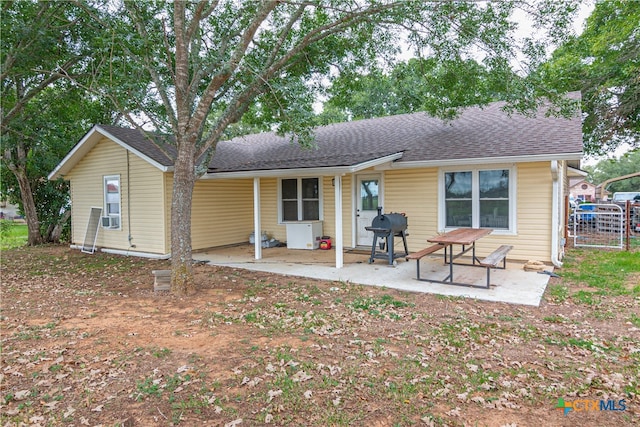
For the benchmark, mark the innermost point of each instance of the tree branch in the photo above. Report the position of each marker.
(218, 80)
(34, 91)
(155, 77)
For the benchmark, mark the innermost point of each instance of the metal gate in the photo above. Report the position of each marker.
(598, 225)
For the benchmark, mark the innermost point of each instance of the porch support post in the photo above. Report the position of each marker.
(338, 216)
(257, 233)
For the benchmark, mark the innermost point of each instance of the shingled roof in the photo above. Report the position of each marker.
(158, 147)
(478, 133)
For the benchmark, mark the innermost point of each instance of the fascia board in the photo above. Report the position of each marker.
(89, 141)
(143, 156)
(77, 152)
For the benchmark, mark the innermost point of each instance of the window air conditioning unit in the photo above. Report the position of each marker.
(110, 222)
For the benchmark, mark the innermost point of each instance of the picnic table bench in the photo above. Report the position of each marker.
(421, 254)
(467, 238)
(494, 258)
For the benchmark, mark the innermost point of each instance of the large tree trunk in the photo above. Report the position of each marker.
(17, 166)
(54, 232)
(29, 207)
(184, 177)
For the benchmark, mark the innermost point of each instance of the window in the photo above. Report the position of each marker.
(112, 200)
(300, 199)
(458, 200)
(478, 198)
(369, 197)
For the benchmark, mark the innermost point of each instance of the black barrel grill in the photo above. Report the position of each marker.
(385, 227)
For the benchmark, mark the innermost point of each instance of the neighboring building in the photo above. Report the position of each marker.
(583, 191)
(9, 211)
(484, 169)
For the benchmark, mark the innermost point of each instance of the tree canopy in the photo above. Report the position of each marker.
(604, 63)
(613, 168)
(439, 87)
(43, 46)
(48, 127)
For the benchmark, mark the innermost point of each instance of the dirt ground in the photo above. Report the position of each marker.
(86, 341)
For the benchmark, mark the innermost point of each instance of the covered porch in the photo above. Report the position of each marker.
(512, 285)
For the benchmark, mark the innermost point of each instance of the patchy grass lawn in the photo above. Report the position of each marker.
(85, 341)
(12, 234)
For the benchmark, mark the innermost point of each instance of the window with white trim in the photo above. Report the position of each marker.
(480, 198)
(112, 201)
(300, 199)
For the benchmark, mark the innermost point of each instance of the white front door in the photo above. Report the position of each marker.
(369, 196)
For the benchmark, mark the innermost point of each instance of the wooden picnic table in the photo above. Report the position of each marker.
(461, 236)
(465, 237)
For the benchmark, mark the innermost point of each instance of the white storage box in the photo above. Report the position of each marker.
(304, 234)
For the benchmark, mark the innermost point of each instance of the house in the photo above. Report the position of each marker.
(582, 190)
(486, 168)
(9, 211)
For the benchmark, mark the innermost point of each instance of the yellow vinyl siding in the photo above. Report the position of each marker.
(348, 211)
(534, 212)
(269, 209)
(329, 208)
(80, 209)
(414, 192)
(142, 219)
(222, 212)
(329, 196)
(147, 206)
(532, 240)
(86, 181)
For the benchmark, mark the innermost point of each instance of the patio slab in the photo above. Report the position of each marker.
(513, 285)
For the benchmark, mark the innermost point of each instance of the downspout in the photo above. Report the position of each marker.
(129, 237)
(555, 213)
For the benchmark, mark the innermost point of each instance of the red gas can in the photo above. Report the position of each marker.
(325, 242)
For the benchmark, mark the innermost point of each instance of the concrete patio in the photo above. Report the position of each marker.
(513, 285)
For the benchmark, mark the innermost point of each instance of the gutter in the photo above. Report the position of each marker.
(555, 213)
(410, 164)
